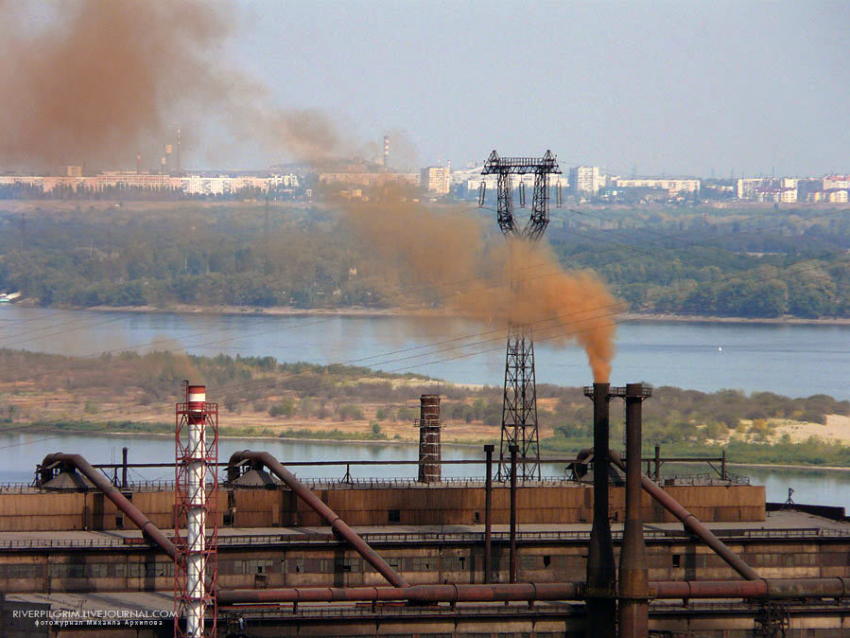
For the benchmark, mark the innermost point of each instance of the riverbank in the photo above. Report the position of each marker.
(422, 312)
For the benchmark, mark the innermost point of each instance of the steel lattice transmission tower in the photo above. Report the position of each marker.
(519, 405)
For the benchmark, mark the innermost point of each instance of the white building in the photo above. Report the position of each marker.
(437, 179)
(586, 180)
(674, 187)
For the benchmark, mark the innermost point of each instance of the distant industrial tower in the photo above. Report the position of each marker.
(386, 151)
(519, 405)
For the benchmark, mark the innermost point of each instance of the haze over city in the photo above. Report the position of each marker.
(669, 88)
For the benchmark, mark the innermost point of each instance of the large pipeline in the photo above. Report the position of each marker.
(692, 523)
(149, 530)
(835, 588)
(336, 523)
(415, 593)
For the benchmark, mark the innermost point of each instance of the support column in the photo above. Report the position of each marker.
(634, 586)
(488, 514)
(514, 450)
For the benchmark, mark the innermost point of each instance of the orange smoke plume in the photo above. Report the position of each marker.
(513, 283)
(99, 80)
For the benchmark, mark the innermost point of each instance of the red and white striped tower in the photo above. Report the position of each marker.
(196, 498)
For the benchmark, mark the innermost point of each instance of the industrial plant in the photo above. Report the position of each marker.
(616, 545)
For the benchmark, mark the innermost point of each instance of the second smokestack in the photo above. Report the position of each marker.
(430, 462)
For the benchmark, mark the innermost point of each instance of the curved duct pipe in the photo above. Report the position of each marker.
(691, 522)
(149, 530)
(337, 524)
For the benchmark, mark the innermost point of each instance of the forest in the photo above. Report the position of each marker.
(759, 263)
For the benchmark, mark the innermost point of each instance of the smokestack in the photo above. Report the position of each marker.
(429, 439)
(196, 397)
(177, 157)
(601, 571)
(634, 587)
(386, 151)
(138, 162)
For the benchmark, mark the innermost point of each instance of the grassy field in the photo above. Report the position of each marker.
(133, 393)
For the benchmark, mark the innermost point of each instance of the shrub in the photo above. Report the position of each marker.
(285, 408)
(350, 412)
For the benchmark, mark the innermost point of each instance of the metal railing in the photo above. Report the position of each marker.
(379, 538)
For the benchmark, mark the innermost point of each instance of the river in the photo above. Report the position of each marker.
(822, 487)
(794, 360)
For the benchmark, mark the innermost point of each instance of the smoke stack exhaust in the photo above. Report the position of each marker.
(634, 587)
(601, 571)
(429, 439)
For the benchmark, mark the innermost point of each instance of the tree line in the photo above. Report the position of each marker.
(307, 257)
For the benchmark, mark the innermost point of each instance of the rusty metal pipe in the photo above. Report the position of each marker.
(633, 607)
(488, 514)
(149, 530)
(765, 588)
(513, 550)
(415, 593)
(692, 523)
(717, 589)
(601, 569)
(337, 524)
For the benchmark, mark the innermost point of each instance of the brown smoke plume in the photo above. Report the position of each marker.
(99, 81)
(95, 80)
(510, 283)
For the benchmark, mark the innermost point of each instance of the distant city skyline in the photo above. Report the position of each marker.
(723, 88)
(666, 88)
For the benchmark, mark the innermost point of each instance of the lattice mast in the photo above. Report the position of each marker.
(196, 499)
(519, 404)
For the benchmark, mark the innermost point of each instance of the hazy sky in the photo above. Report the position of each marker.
(675, 87)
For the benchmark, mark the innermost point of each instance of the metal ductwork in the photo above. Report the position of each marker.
(337, 524)
(692, 523)
(77, 462)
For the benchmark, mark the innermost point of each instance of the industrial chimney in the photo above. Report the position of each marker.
(634, 586)
(429, 439)
(601, 570)
(195, 560)
(386, 151)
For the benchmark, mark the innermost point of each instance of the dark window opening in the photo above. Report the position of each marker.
(394, 516)
(477, 517)
(547, 560)
(677, 560)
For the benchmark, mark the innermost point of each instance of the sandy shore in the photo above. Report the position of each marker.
(360, 311)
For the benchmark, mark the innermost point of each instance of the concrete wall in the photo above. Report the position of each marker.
(567, 503)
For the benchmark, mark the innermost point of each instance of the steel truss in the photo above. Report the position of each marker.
(519, 404)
